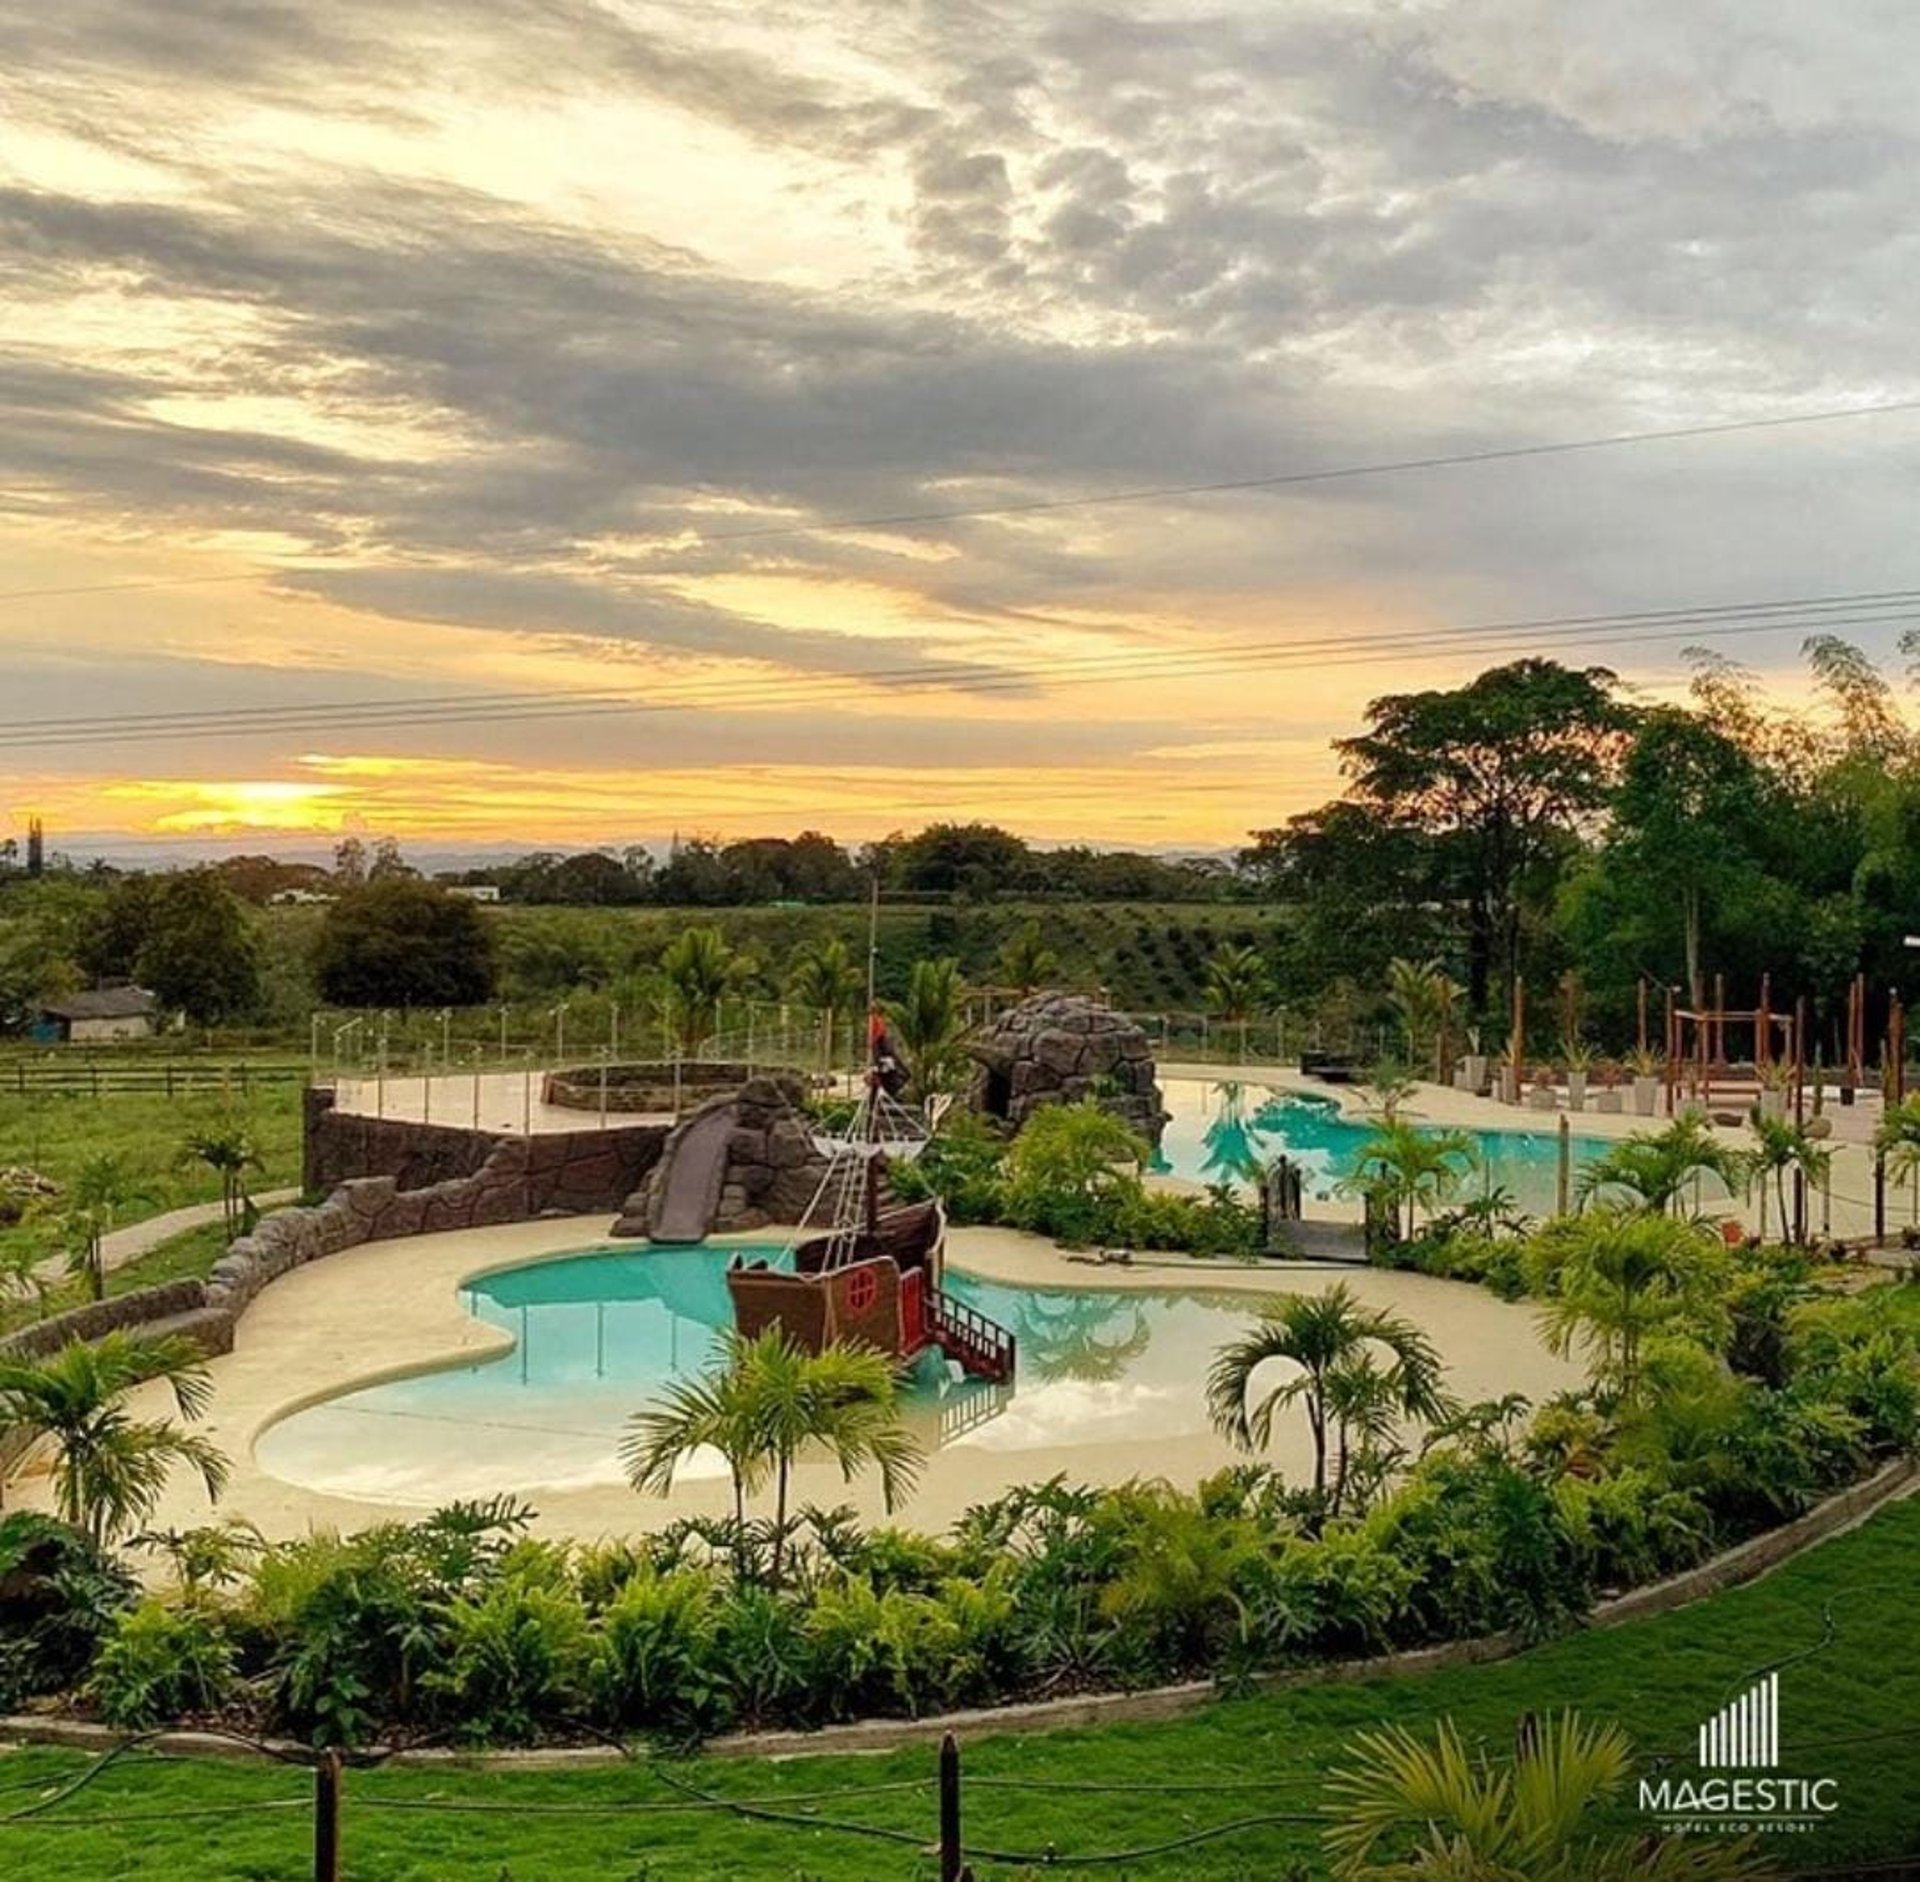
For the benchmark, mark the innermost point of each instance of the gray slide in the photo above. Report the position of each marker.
(689, 1195)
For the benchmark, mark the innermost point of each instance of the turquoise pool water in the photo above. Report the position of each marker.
(1219, 1129)
(597, 1335)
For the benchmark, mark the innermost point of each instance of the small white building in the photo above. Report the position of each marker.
(111, 1013)
(476, 891)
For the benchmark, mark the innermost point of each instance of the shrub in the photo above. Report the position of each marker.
(59, 1593)
(656, 1661)
(163, 1660)
(516, 1659)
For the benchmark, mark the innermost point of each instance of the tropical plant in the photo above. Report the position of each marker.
(1412, 1171)
(163, 1660)
(700, 969)
(100, 1189)
(766, 1405)
(59, 1592)
(1238, 986)
(1072, 1154)
(930, 1022)
(1613, 1278)
(1026, 962)
(110, 1467)
(515, 1657)
(228, 1149)
(823, 977)
(1414, 1809)
(1782, 1148)
(1317, 1336)
(1655, 1167)
(1425, 999)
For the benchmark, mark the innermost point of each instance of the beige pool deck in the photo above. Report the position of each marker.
(392, 1309)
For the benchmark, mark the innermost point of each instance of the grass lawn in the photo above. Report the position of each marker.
(1837, 1622)
(56, 1134)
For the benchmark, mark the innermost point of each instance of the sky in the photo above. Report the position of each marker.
(376, 375)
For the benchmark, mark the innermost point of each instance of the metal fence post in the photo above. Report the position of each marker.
(326, 1817)
(950, 1810)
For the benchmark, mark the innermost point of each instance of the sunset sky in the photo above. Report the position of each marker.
(436, 361)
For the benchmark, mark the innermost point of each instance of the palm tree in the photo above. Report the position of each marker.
(99, 1191)
(110, 1467)
(1781, 1148)
(1426, 998)
(929, 1022)
(1026, 962)
(770, 1403)
(1616, 1276)
(700, 968)
(824, 978)
(228, 1149)
(1429, 1810)
(1654, 1167)
(1412, 1169)
(1237, 986)
(1318, 1335)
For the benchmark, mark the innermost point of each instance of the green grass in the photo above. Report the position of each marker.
(56, 1134)
(189, 1254)
(1838, 1622)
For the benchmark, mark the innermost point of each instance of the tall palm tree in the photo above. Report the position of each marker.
(1780, 1149)
(824, 978)
(1655, 1167)
(228, 1149)
(1429, 1810)
(110, 1467)
(1026, 962)
(1317, 1335)
(929, 1022)
(1414, 1170)
(1614, 1277)
(770, 1403)
(700, 969)
(1425, 997)
(1238, 986)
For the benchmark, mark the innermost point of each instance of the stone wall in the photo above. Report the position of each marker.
(772, 1171)
(172, 1306)
(654, 1086)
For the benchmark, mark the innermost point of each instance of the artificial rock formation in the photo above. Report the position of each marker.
(772, 1170)
(1058, 1048)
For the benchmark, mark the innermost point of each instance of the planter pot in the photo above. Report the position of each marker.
(1646, 1096)
(1773, 1103)
(1509, 1086)
(1609, 1101)
(1576, 1091)
(1473, 1071)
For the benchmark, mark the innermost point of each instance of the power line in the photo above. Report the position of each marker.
(1809, 613)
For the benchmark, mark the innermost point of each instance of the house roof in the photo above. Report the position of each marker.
(108, 1003)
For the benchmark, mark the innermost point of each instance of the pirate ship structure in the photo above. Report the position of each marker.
(867, 1273)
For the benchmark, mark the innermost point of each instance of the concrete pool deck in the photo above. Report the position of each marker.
(391, 1309)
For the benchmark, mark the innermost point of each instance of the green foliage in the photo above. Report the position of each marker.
(399, 942)
(199, 953)
(930, 1022)
(656, 1663)
(1657, 1169)
(513, 1659)
(164, 1660)
(699, 969)
(60, 1591)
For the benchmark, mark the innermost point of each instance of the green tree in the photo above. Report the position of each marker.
(201, 954)
(1782, 1149)
(1425, 999)
(823, 978)
(772, 1404)
(930, 1023)
(1613, 1279)
(1026, 962)
(85, 1215)
(1075, 1153)
(1318, 1336)
(1656, 1168)
(1237, 986)
(228, 1149)
(109, 1467)
(1411, 1169)
(977, 860)
(1498, 776)
(1413, 1809)
(401, 942)
(700, 969)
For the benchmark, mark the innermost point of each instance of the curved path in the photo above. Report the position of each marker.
(141, 1238)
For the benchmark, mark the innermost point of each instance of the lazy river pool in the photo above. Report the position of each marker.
(1219, 1130)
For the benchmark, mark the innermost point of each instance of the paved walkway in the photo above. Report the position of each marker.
(142, 1238)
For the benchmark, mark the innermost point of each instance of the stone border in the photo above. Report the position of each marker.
(1745, 1562)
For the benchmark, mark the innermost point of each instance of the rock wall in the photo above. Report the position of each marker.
(1058, 1048)
(772, 1171)
(169, 1307)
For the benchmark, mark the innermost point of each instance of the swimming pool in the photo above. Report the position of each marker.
(597, 1335)
(1219, 1129)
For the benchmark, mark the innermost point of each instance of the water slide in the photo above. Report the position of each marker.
(689, 1196)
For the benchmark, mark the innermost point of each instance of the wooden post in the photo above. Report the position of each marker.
(1717, 1029)
(1800, 1060)
(950, 1852)
(1563, 1185)
(1517, 1045)
(326, 1817)
(1880, 1201)
(1897, 1050)
(1763, 1028)
(1640, 1002)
